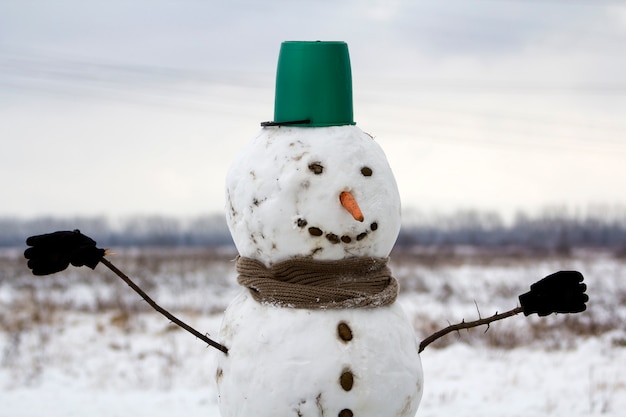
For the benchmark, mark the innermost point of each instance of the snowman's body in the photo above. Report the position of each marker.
(283, 202)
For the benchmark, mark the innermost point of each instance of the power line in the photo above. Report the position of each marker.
(584, 3)
(476, 86)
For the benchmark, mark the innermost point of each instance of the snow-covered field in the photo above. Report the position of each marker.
(82, 343)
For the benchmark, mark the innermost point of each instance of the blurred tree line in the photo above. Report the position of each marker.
(155, 231)
(553, 229)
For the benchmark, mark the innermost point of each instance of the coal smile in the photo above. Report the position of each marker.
(334, 238)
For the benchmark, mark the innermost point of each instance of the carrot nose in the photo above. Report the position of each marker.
(349, 203)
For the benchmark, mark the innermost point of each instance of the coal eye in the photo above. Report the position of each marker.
(366, 171)
(316, 168)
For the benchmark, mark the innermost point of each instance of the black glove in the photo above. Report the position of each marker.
(561, 292)
(53, 252)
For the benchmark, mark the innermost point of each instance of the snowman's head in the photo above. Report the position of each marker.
(326, 193)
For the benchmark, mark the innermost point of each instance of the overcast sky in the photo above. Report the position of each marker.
(116, 108)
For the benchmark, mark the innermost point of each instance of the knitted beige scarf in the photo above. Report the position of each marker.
(307, 283)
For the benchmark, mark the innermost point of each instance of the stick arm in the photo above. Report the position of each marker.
(54, 252)
(468, 325)
(160, 309)
(560, 292)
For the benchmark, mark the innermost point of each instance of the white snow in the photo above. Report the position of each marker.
(59, 357)
(81, 343)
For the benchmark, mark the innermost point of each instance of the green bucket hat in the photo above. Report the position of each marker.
(313, 85)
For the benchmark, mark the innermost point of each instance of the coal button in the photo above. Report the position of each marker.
(344, 332)
(346, 380)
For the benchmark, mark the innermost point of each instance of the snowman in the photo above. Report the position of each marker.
(314, 211)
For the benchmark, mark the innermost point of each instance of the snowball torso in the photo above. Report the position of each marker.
(294, 362)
